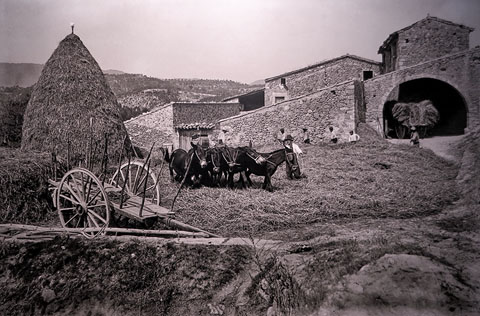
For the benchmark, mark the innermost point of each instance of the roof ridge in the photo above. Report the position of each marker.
(323, 62)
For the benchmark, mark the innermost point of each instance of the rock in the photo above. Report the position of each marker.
(48, 295)
(399, 283)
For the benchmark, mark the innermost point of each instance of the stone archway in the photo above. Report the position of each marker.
(446, 98)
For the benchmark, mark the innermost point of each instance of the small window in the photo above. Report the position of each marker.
(406, 40)
(367, 74)
(283, 81)
(279, 99)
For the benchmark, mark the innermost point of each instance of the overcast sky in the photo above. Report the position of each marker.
(241, 40)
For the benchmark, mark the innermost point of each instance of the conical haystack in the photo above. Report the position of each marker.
(72, 103)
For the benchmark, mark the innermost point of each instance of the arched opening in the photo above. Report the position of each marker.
(446, 99)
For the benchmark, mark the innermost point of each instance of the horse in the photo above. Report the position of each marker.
(273, 160)
(233, 161)
(187, 165)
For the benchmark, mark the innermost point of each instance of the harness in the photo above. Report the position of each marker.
(259, 160)
(213, 163)
(234, 159)
(287, 161)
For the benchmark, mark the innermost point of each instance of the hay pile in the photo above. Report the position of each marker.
(72, 102)
(370, 179)
(23, 187)
(416, 114)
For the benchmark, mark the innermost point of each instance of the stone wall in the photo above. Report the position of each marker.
(429, 39)
(154, 126)
(460, 70)
(332, 106)
(211, 112)
(316, 77)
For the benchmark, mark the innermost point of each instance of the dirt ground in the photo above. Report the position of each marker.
(427, 265)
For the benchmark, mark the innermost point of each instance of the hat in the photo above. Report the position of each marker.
(226, 128)
(195, 136)
(288, 137)
(305, 128)
(413, 128)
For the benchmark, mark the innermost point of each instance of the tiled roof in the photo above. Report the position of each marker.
(329, 61)
(196, 126)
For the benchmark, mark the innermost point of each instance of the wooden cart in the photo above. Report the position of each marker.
(86, 203)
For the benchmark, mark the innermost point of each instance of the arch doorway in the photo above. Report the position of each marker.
(446, 99)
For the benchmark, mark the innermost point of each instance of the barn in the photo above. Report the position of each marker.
(172, 125)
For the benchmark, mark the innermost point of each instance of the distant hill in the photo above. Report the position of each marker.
(260, 82)
(113, 72)
(22, 75)
(138, 93)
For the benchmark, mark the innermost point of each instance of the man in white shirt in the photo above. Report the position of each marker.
(353, 137)
(293, 167)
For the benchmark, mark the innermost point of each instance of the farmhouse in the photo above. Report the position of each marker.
(173, 124)
(428, 60)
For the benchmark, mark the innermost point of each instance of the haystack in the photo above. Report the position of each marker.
(422, 113)
(72, 103)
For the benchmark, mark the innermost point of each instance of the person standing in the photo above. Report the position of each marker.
(414, 138)
(222, 136)
(292, 167)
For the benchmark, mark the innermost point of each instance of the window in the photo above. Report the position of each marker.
(367, 74)
(283, 81)
(279, 99)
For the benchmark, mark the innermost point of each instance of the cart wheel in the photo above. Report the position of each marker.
(82, 202)
(401, 131)
(137, 175)
(422, 131)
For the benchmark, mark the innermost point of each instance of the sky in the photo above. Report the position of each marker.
(240, 40)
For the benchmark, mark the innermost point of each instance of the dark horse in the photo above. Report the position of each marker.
(213, 173)
(187, 165)
(273, 160)
(234, 161)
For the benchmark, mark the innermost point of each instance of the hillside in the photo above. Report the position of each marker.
(23, 75)
(13, 101)
(137, 93)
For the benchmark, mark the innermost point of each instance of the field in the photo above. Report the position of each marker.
(374, 229)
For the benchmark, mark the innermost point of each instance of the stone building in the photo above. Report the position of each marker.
(173, 124)
(318, 76)
(429, 59)
(422, 41)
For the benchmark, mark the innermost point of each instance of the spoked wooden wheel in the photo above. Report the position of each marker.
(135, 176)
(83, 203)
(401, 131)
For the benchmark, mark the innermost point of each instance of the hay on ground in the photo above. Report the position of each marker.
(24, 188)
(72, 103)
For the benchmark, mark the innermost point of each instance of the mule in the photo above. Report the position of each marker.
(234, 161)
(187, 165)
(272, 161)
(213, 173)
